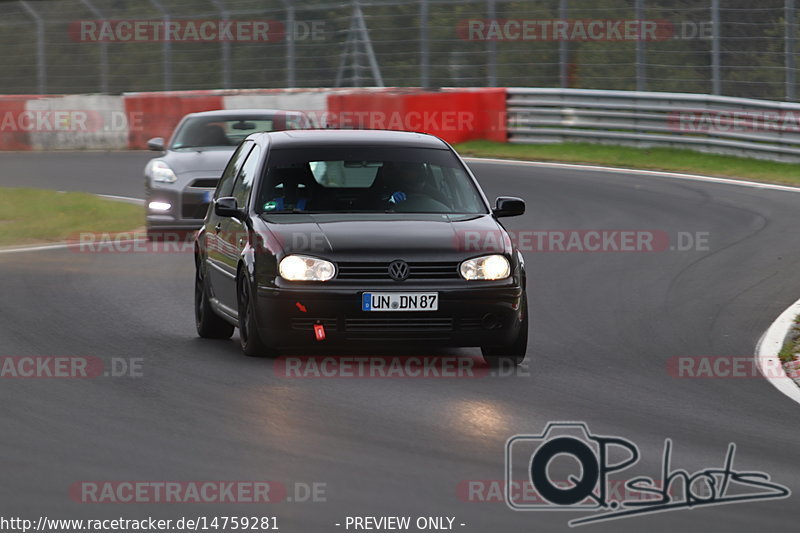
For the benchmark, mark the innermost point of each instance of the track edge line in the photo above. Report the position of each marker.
(768, 348)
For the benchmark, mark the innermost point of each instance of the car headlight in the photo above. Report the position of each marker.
(488, 267)
(160, 171)
(159, 206)
(304, 268)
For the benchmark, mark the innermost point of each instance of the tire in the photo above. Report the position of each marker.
(514, 353)
(249, 338)
(209, 324)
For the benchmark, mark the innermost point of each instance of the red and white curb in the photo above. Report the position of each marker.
(768, 348)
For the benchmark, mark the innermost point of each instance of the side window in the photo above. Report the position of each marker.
(244, 183)
(225, 185)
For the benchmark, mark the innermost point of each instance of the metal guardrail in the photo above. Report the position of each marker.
(762, 129)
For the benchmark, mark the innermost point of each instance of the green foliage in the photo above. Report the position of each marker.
(791, 348)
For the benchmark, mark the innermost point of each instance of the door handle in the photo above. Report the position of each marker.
(218, 227)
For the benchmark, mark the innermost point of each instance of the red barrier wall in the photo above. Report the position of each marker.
(13, 135)
(159, 113)
(455, 116)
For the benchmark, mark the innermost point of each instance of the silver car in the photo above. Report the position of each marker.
(179, 183)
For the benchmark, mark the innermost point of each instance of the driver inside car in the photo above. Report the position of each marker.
(405, 179)
(292, 191)
(408, 186)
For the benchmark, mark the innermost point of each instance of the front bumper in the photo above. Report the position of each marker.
(483, 316)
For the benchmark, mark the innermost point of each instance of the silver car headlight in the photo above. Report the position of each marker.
(488, 267)
(305, 268)
(160, 171)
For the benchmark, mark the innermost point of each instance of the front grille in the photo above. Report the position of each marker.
(395, 323)
(204, 183)
(380, 271)
(398, 328)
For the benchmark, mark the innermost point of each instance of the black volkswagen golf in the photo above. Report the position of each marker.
(358, 236)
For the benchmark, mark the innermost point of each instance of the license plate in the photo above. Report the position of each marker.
(400, 301)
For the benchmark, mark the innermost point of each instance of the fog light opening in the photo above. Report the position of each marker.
(490, 321)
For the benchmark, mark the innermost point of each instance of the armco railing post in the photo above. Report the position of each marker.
(41, 58)
(789, 50)
(716, 84)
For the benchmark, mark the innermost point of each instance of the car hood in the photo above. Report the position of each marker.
(388, 236)
(209, 160)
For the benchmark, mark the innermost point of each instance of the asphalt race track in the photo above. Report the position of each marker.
(604, 327)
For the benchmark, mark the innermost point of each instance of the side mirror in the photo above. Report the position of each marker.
(508, 206)
(227, 207)
(156, 144)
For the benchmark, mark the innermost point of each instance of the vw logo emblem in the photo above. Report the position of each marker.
(398, 270)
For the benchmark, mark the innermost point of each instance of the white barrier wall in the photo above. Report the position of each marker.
(315, 103)
(76, 122)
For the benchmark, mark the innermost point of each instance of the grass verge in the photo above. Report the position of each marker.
(33, 216)
(672, 159)
(791, 348)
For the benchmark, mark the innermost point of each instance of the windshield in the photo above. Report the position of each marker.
(347, 180)
(204, 132)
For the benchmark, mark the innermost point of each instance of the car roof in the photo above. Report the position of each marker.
(334, 137)
(248, 113)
